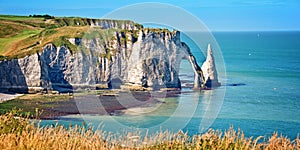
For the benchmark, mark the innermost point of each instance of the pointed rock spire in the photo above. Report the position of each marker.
(209, 70)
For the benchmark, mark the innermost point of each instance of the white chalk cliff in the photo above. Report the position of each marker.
(144, 58)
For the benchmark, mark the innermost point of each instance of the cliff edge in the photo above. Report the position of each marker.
(110, 54)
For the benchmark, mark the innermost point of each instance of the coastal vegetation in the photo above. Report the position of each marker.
(21, 35)
(24, 35)
(20, 133)
(52, 106)
(30, 103)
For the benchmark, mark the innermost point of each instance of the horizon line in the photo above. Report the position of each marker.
(210, 29)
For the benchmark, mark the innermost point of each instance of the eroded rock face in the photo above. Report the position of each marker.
(199, 81)
(116, 24)
(145, 59)
(150, 60)
(209, 70)
(155, 60)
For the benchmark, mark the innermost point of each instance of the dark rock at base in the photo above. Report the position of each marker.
(236, 84)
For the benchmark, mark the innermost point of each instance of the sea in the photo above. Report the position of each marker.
(260, 92)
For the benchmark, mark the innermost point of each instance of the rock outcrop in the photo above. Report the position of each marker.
(145, 59)
(199, 81)
(103, 23)
(209, 70)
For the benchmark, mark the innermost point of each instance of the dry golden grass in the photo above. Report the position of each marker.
(10, 28)
(21, 36)
(18, 133)
(13, 32)
(35, 42)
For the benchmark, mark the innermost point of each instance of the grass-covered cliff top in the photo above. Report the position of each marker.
(25, 35)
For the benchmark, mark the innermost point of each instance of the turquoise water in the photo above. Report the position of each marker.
(266, 68)
(268, 63)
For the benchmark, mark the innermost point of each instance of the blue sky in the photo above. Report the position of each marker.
(218, 15)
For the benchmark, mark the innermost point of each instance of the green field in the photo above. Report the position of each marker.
(17, 18)
(31, 102)
(24, 35)
(6, 43)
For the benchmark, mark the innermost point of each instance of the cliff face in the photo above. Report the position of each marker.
(146, 59)
(103, 23)
(143, 59)
(155, 59)
(116, 24)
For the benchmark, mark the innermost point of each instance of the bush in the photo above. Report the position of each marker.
(42, 16)
(13, 122)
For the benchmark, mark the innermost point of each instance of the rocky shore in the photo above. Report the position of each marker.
(105, 102)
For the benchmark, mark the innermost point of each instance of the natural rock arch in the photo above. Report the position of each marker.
(205, 76)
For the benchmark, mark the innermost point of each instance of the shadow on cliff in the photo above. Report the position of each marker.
(52, 75)
(12, 79)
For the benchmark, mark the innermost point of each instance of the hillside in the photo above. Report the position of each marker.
(25, 35)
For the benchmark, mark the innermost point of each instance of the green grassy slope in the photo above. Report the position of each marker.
(24, 35)
(19, 18)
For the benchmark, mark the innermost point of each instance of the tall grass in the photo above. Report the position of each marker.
(18, 133)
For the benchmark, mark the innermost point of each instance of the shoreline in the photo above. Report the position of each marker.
(111, 104)
(8, 96)
(53, 106)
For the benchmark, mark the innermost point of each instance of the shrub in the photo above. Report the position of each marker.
(13, 122)
(46, 16)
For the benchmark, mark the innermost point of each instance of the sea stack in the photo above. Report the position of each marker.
(209, 70)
